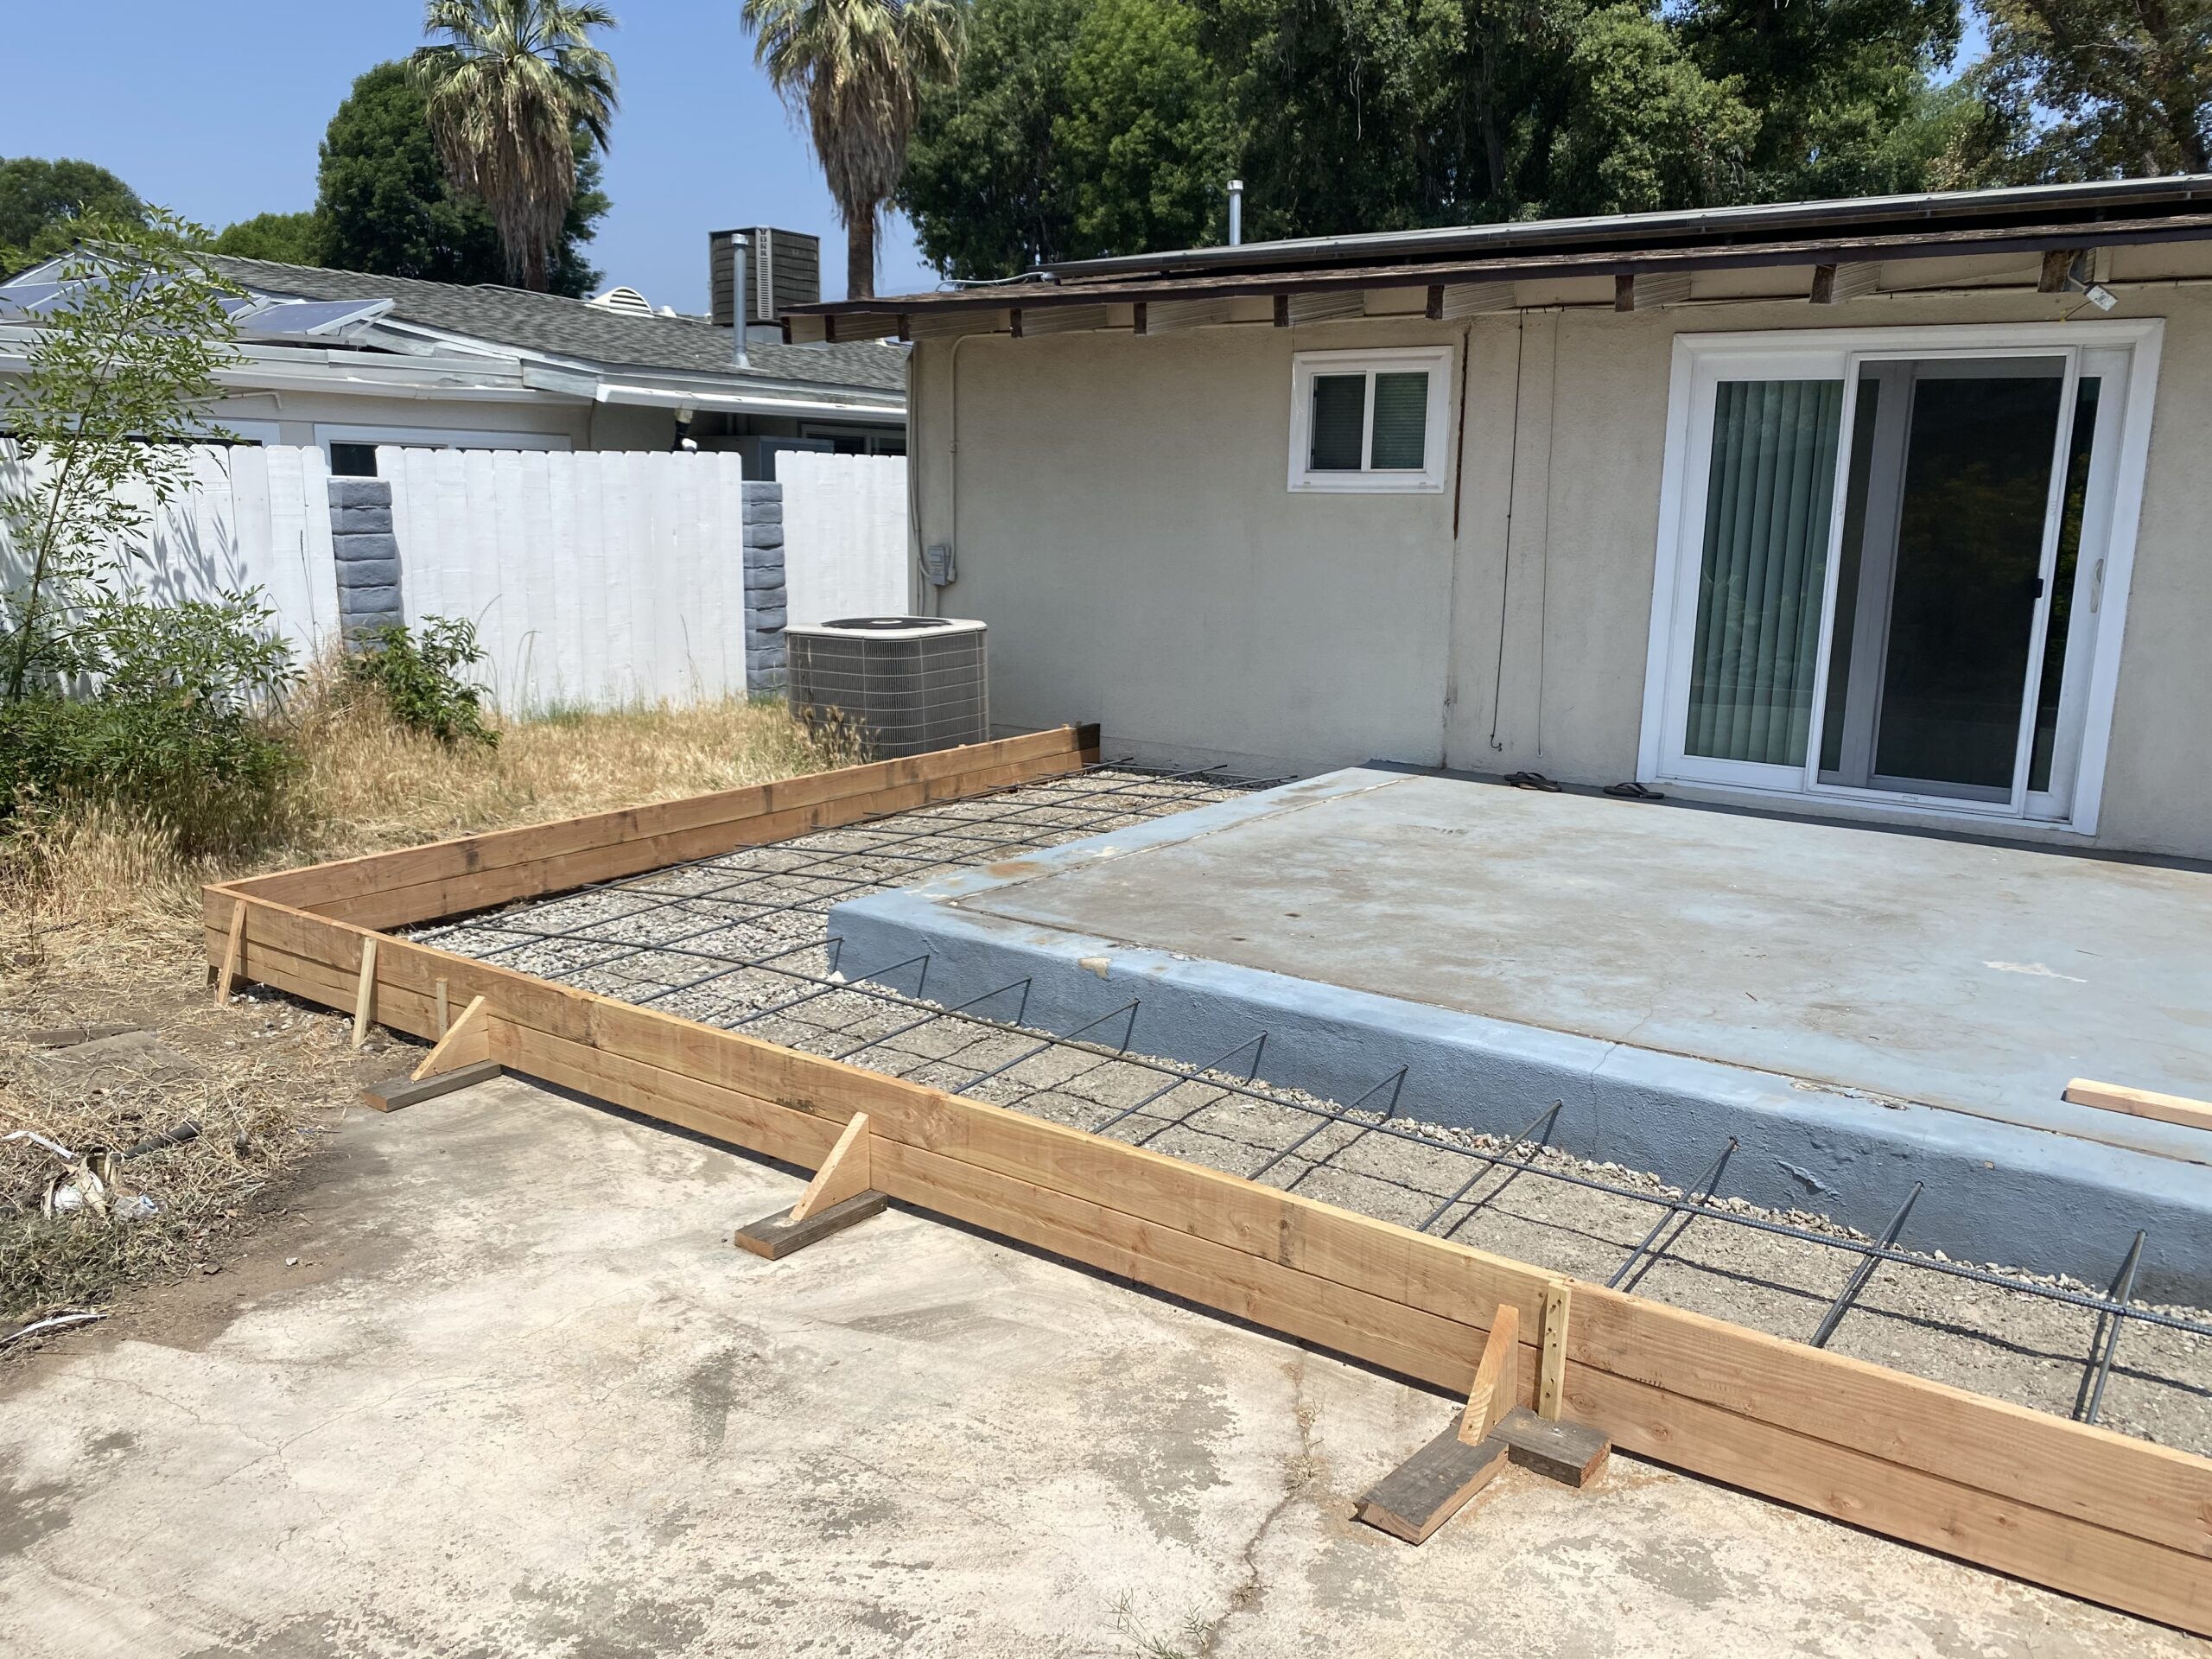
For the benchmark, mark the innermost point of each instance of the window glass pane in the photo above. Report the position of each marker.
(353, 460)
(1340, 413)
(1962, 604)
(1400, 421)
(1759, 586)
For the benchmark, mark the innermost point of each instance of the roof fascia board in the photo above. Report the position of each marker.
(1539, 267)
(887, 413)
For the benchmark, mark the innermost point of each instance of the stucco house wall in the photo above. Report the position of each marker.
(1120, 516)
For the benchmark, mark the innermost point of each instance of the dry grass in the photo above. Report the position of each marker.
(99, 920)
(98, 890)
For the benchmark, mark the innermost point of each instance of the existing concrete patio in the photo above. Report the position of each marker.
(1860, 1008)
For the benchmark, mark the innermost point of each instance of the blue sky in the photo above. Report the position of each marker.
(214, 110)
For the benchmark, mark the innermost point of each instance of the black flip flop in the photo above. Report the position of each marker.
(1633, 791)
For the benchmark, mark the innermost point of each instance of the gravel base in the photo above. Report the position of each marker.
(674, 939)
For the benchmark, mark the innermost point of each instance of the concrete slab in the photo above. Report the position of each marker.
(1848, 1001)
(520, 1396)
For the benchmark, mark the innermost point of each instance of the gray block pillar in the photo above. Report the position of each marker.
(766, 604)
(367, 553)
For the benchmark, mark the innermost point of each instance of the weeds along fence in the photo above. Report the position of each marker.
(595, 580)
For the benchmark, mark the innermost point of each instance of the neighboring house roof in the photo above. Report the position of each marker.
(575, 329)
(1625, 246)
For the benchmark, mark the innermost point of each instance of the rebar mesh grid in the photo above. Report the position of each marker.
(741, 941)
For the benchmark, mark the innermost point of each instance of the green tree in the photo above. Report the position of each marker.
(115, 382)
(384, 203)
(41, 203)
(1146, 135)
(288, 238)
(1644, 129)
(1075, 129)
(1842, 87)
(505, 92)
(858, 71)
(982, 182)
(2126, 84)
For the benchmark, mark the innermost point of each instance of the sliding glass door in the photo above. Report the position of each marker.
(1887, 571)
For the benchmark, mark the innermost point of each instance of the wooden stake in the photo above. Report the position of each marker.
(233, 953)
(468, 1041)
(843, 1174)
(1551, 1385)
(445, 1019)
(365, 995)
(1496, 1376)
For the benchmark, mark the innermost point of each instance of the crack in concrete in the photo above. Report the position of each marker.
(1299, 1472)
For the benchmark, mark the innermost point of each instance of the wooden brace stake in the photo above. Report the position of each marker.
(365, 995)
(843, 1174)
(445, 1014)
(1551, 1379)
(462, 1058)
(468, 1041)
(838, 1196)
(234, 952)
(1497, 1377)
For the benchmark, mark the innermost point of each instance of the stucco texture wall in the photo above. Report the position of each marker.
(1121, 516)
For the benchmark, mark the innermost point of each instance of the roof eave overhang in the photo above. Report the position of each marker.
(1708, 226)
(1521, 267)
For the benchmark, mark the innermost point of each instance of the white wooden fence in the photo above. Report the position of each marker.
(598, 579)
(844, 535)
(250, 517)
(595, 580)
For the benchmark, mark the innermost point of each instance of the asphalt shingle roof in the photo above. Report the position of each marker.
(572, 328)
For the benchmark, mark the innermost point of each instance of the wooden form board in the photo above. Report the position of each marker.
(2081, 1510)
(446, 878)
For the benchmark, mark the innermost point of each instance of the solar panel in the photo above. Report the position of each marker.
(25, 299)
(311, 319)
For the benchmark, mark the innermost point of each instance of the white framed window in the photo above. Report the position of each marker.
(1893, 565)
(1370, 421)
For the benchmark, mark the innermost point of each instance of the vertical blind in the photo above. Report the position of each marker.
(1760, 584)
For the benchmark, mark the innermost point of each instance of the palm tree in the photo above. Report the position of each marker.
(858, 69)
(507, 91)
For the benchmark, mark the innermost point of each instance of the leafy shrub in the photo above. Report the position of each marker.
(177, 721)
(418, 677)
